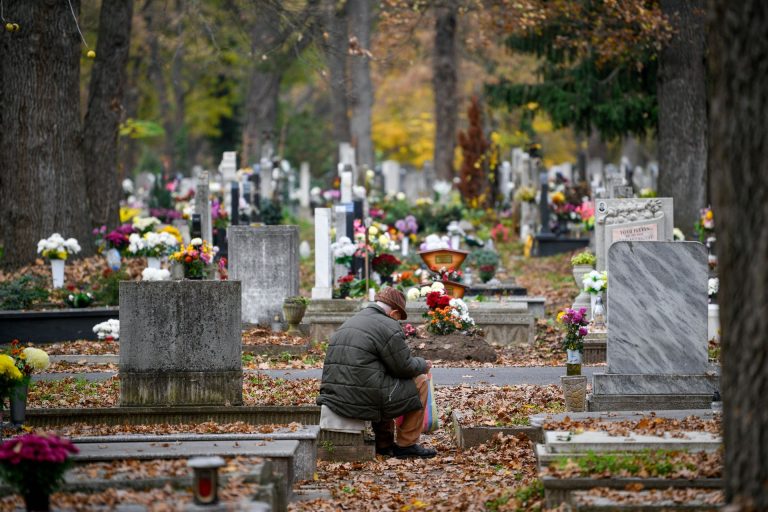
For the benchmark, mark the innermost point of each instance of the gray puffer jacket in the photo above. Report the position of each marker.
(368, 369)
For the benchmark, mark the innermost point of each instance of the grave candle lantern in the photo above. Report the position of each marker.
(206, 479)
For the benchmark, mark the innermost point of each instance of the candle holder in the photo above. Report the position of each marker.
(206, 479)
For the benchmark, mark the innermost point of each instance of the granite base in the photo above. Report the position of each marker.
(181, 388)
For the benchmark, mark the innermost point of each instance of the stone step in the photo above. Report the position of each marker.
(282, 453)
(86, 359)
(305, 459)
(562, 442)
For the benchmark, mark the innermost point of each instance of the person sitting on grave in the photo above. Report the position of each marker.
(369, 374)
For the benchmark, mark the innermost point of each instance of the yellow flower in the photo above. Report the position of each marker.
(384, 240)
(36, 358)
(709, 215)
(558, 198)
(8, 368)
(172, 231)
(560, 316)
(127, 214)
(373, 231)
(532, 105)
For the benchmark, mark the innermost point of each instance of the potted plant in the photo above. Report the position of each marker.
(583, 263)
(293, 311)
(574, 384)
(154, 246)
(486, 261)
(385, 264)
(34, 465)
(195, 258)
(56, 249)
(27, 360)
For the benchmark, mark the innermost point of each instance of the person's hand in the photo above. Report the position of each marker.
(429, 364)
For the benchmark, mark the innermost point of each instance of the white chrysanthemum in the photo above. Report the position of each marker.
(196, 241)
(37, 359)
(110, 328)
(425, 290)
(155, 274)
(145, 223)
(413, 294)
(437, 286)
(71, 245)
(713, 285)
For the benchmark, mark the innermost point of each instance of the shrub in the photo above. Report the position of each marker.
(22, 292)
(584, 258)
(107, 288)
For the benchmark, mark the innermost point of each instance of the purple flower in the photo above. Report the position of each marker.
(583, 331)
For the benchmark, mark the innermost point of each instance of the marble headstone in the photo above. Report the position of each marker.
(266, 260)
(658, 308)
(203, 206)
(639, 220)
(323, 288)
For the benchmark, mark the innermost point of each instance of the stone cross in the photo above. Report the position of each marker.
(203, 206)
(505, 180)
(323, 288)
(347, 158)
(266, 178)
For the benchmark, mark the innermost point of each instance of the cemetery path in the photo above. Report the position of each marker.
(499, 376)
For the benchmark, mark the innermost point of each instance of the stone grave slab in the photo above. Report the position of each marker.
(266, 260)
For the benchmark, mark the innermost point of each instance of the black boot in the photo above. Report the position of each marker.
(415, 450)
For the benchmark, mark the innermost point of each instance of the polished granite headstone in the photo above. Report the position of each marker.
(657, 315)
(657, 328)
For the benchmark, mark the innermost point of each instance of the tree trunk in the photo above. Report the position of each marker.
(42, 183)
(161, 87)
(335, 44)
(105, 111)
(260, 113)
(738, 157)
(681, 91)
(444, 83)
(361, 93)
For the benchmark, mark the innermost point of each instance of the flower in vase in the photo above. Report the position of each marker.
(36, 358)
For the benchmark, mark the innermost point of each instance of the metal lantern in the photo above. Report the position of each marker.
(206, 479)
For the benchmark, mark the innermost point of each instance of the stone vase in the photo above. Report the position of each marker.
(293, 314)
(57, 271)
(19, 404)
(575, 391)
(582, 299)
(153, 262)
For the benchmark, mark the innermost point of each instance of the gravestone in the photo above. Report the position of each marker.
(304, 178)
(347, 159)
(505, 180)
(180, 343)
(657, 329)
(266, 260)
(266, 178)
(323, 288)
(344, 224)
(203, 206)
(641, 220)
(391, 172)
(228, 166)
(346, 187)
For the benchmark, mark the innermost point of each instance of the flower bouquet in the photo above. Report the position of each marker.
(34, 465)
(575, 323)
(195, 258)
(444, 274)
(705, 225)
(446, 314)
(152, 245)
(595, 282)
(525, 195)
(343, 250)
(56, 249)
(10, 377)
(109, 330)
(27, 360)
(385, 264)
(143, 225)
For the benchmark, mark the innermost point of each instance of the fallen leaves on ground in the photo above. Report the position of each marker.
(264, 336)
(83, 348)
(134, 469)
(80, 367)
(207, 427)
(454, 480)
(650, 425)
(500, 405)
(648, 464)
(645, 497)
(74, 392)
